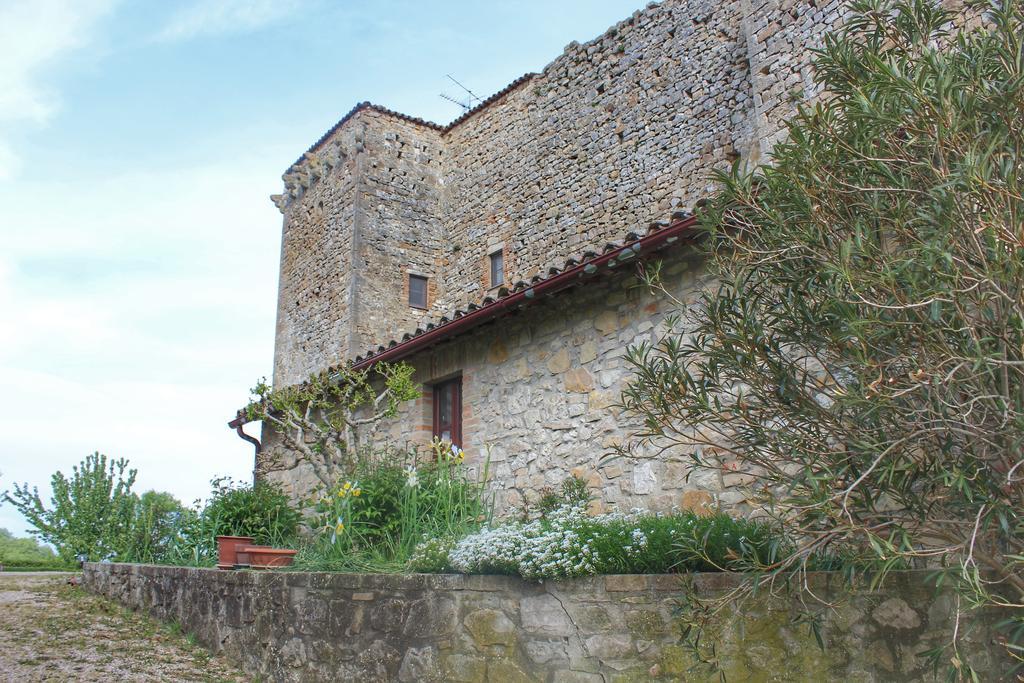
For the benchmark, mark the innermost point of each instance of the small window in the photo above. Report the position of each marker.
(418, 291)
(497, 268)
(448, 411)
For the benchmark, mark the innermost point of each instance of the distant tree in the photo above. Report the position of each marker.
(863, 355)
(25, 553)
(91, 513)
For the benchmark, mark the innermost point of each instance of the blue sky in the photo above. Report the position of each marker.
(139, 142)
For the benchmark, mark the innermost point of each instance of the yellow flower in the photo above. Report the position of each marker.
(347, 485)
(356, 492)
(339, 528)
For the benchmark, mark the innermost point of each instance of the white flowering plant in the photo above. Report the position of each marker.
(567, 542)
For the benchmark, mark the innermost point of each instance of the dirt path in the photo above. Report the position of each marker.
(51, 631)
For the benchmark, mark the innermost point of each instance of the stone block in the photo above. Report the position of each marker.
(610, 646)
(700, 502)
(895, 613)
(419, 665)
(559, 362)
(544, 615)
(465, 669)
(591, 618)
(379, 660)
(490, 627)
(621, 583)
(546, 651)
(578, 381)
(606, 322)
(577, 677)
(646, 624)
(497, 353)
(588, 352)
(507, 671)
(389, 615)
(644, 480)
(430, 617)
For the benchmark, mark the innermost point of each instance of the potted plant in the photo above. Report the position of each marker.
(227, 550)
(265, 557)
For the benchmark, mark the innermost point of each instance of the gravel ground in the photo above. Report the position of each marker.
(52, 631)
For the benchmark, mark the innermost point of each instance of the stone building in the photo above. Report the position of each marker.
(497, 254)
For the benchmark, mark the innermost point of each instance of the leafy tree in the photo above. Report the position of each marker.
(319, 421)
(92, 511)
(863, 353)
(158, 520)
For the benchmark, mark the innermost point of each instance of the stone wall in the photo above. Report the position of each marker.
(614, 133)
(314, 303)
(539, 394)
(292, 626)
(363, 215)
(400, 231)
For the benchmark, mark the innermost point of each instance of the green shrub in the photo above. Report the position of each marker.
(862, 347)
(261, 511)
(572, 491)
(157, 523)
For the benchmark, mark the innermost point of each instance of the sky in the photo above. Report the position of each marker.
(139, 143)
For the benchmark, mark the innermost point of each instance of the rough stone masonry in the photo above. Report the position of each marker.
(300, 626)
(613, 134)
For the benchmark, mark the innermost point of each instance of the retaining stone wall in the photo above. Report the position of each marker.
(292, 626)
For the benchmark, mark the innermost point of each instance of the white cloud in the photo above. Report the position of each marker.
(215, 17)
(33, 37)
(136, 313)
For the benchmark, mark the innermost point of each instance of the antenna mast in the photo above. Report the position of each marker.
(470, 101)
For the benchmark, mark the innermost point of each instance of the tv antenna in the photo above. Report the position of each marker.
(468, 102)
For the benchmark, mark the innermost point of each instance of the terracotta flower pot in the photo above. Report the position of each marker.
(263, 557)
(227, 550)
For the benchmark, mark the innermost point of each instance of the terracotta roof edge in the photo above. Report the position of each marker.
(412, 119)
(351, 113)
(514, 85)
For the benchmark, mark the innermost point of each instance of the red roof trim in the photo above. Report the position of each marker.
(657, 239)
(659, 235)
